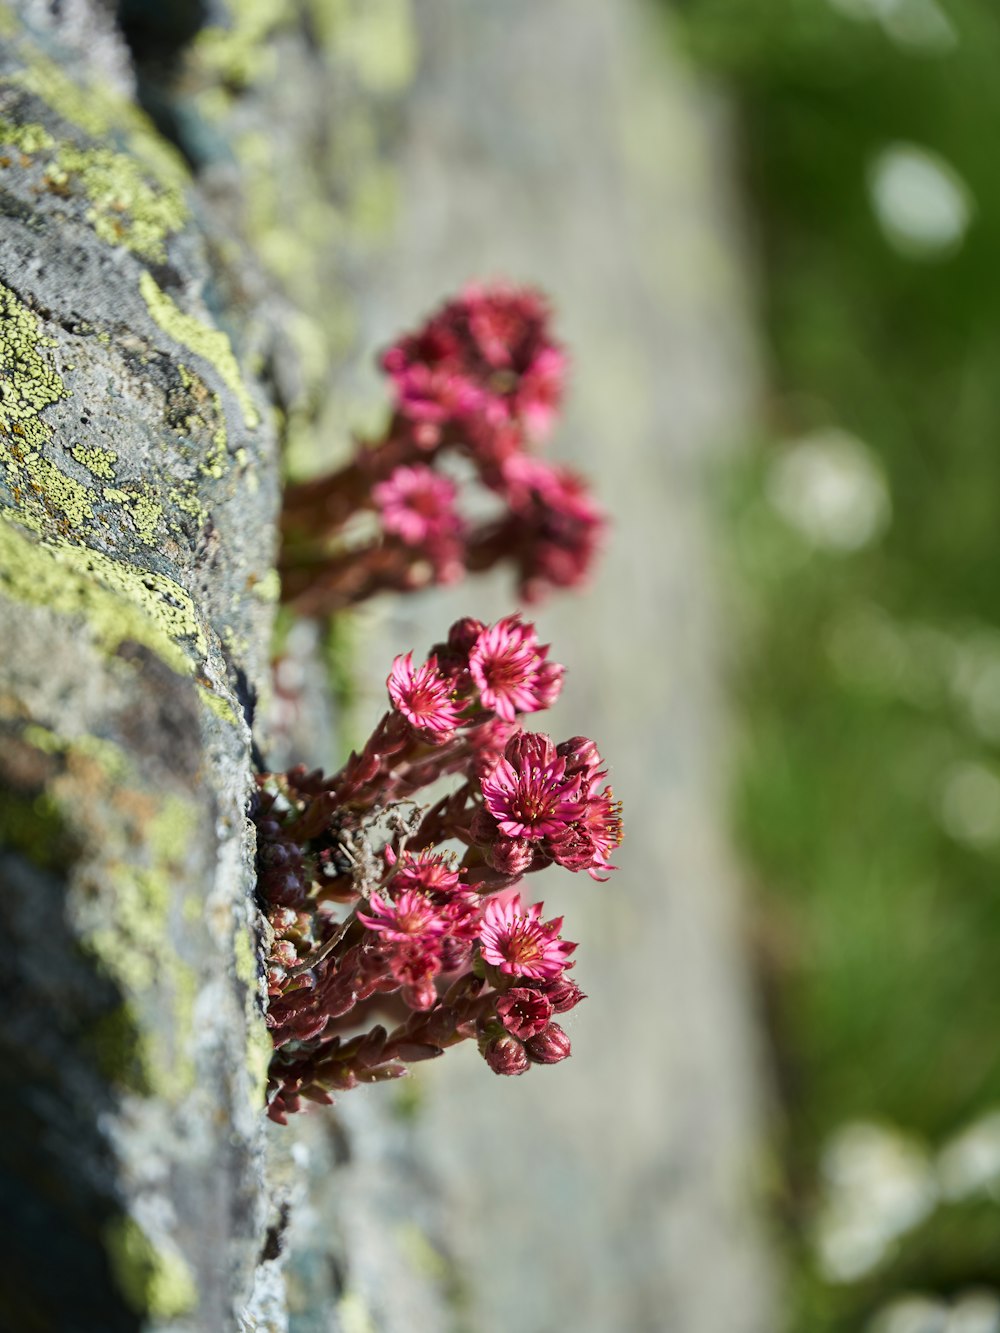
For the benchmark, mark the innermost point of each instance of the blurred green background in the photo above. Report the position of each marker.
(865, 525)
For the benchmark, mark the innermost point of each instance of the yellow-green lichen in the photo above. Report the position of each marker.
(136, 195)
(98, 462)
(240, 53)
(134, 947)
(48, 491)
(25, 138)
(376, 38)
(108, 756)
(216, 704)
(353, 1314)
(125, 207)
(268, 588)
(153, 1279)
(259, 1047)
(210, 344)
(118, 602)
(28, 381)
(142, 507)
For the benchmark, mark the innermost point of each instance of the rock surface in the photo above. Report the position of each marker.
(138, 489)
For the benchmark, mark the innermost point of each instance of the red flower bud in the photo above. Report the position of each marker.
(505, 1055)
(511, 856)
(549, 1047)
(563, 994)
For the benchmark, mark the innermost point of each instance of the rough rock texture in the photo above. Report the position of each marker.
(138, 489)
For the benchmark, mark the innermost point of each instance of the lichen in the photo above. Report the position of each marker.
(216, 704)
(210, 344)
(260, 1047)
(153, 1279)
(125, 207)
(119, 602)
(25, 138)
(99, 462)
(142, 507)
(136, 193)
(239, 53)
(28, 381)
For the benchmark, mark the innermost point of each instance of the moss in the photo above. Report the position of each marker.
(99, 462)
(154, 1281)
(210, 344)
(119, 602)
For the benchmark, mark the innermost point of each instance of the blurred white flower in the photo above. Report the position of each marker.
(970, 1162)
(878, 1185)
(969, 804)
(922, 204)
(918, 25)
(972, 1312)
(829, 488)
(975, 681)
(911, 1314)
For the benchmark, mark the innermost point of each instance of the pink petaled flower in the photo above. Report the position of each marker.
(529, 793)
(461, 915)
(510, 670)
(524, 1013)
(520, 944)
(417, 505)
(559, 528)
(414, 964)
(437, 396)
(411, 915)
(539, 395)
(591, 839)
(424, 697)
(427, 872)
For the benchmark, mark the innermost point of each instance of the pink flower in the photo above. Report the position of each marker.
(411, 915)
(424, 697)
(427, 872)
(417, 505)
(510, 670)
(518, 943)
(539, 395)
(529, 793)
(557, 529)
(524, 1013)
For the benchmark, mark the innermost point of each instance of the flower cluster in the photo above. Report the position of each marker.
(482, 381)
(398, 925)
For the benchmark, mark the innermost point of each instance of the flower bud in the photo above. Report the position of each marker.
(463, 635)
(563, 994)
(511, 856)
(549, 1047)
(483, 828)
(523, 1012)
(548, 683)
(505, 1055)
